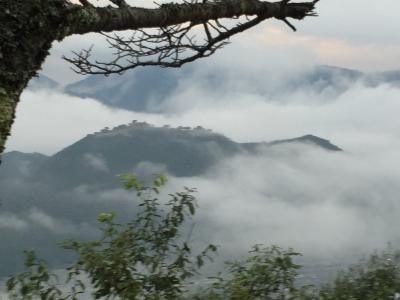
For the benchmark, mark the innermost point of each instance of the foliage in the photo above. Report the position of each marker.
(150, 257)
(35, 283)
(145, 258)
(268, 273)
(377, 277)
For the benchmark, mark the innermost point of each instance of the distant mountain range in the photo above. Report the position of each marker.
(136, 90)
(42, 82)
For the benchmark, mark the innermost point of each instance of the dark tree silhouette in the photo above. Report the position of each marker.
(163, 36)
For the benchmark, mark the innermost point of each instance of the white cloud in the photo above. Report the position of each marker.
(331, 206)
(261, 195)
(38, 217)
(10, 221)
(361, 119)
(358, 119)
(96, 161)
(48, 121)
(323, 204)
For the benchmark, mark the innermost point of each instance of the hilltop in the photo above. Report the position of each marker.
(141, 148)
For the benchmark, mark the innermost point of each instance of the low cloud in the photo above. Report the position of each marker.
(360, 118)
(12, 222)
(96, 161)
(57, 226)
(48, 121)
(331, 206)
(322, 194)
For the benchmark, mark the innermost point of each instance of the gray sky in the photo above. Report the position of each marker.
(350, 34)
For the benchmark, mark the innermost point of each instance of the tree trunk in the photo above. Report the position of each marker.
(27, 31)
(28, 28)
(8, 102)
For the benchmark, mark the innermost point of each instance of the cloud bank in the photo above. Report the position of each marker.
(331, 206)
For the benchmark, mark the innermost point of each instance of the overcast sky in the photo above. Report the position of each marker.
(349, 200)
(350, 34)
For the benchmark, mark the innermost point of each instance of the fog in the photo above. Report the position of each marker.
(333, 207)
(327, 205)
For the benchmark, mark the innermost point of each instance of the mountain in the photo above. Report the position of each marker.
(139, 90)
(18, 165)
(145, 89)
(387, 77)
(308, 139)
(45, 200)
(42, 82)
(137, 147)
(325, 78)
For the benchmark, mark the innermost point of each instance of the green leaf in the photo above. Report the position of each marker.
(105, 218)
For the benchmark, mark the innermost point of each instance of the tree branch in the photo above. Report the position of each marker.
(86, 19)
(175, 45)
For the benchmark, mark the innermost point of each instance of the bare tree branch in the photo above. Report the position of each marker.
(168, 36)
(177, 44)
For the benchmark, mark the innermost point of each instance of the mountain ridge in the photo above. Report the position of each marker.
(41, 82)
(135, 91)
(142, 148)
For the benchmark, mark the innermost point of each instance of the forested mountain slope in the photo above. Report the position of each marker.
(136, 147)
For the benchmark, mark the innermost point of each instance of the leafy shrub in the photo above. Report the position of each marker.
(149, 258)
(145, 258)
